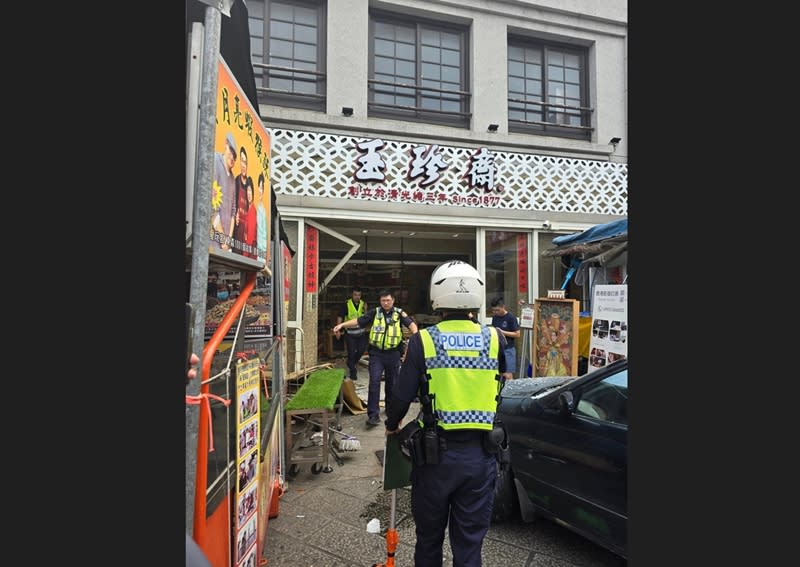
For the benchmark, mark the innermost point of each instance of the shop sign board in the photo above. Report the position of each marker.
(240, 188)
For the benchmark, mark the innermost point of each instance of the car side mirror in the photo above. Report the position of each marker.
(566, 403)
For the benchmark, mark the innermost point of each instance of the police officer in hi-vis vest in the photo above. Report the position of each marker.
(355, 339)
(385, 345)
(454, 368)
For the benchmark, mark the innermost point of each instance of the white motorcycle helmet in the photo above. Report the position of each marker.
(456, 285)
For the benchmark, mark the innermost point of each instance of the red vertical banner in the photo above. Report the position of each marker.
(287, 269)
(522, 262)
(312, 257)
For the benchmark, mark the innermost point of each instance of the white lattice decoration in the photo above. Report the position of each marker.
(323, 165)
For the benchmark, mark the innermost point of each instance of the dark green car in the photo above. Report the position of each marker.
(568, 444)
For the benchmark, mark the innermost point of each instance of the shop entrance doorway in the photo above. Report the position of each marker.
(397, 257)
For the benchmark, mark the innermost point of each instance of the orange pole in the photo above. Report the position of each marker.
(392, 540)
(202, 429)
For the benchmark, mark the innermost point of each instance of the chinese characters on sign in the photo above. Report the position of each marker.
(481, 170)
(240, 189)
(425, 166)
(371, 163)
(417, 196)
(312, 257)
(522, 262)
(426, 162)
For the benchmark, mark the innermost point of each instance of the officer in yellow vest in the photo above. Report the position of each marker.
(385, 344)
(355, 339)
(458, 363)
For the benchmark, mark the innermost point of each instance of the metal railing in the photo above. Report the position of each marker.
(462, 97)
(290, 73)
(521, 105)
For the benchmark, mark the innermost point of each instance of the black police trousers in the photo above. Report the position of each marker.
(459, 490)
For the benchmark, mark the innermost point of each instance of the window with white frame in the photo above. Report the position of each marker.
(547, 89)
(287, 43)
(418, 71)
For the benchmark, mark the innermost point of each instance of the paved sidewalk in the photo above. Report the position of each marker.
(323, 517)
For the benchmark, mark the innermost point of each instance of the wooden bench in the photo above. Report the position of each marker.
(312, 408)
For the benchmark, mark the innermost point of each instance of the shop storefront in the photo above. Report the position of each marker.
(382, 213)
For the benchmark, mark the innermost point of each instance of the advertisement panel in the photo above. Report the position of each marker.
(609, 341)
(257, 321)
(248, 436)
(240, 188)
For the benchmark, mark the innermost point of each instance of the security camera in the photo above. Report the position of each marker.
(547, 225)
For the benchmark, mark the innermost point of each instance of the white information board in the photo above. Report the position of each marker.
(609, 340)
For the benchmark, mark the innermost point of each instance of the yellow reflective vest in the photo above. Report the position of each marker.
(386, 335)
(461, 358)
(354, 312)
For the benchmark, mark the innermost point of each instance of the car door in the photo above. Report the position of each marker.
(578, 461)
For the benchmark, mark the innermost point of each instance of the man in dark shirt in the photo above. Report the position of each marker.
(355, 339)
(508, 326)
(385, 345)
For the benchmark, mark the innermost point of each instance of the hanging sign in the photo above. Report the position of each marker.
(522, 263)
(312, 257)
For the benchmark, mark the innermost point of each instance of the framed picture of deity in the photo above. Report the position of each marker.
(555, 337)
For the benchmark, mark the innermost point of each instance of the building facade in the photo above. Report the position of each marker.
(408, 132)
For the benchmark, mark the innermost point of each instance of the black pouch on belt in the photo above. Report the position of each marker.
(411, 442)
(495, 443)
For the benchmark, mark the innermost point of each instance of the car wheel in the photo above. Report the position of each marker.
(505, 494)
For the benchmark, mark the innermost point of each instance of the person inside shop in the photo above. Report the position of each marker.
(212, 283)
(458, 363)
(355, 339)
(211, 295)
(508, 326)
(385, 348)
(221, 293)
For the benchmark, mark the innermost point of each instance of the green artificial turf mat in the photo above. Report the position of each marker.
(320, 390)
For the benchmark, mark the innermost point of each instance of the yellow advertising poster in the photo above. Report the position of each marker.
(247, 433)
(240, 188)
